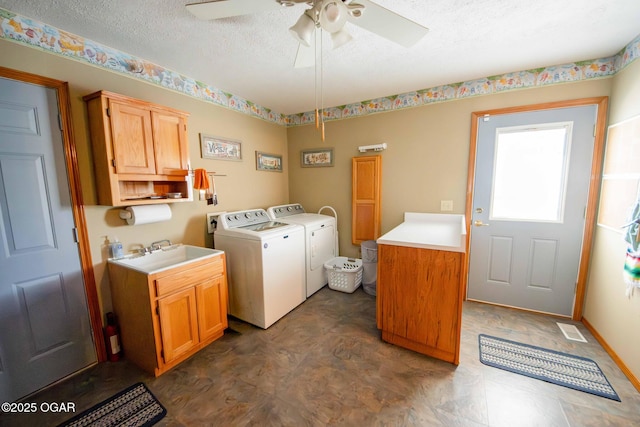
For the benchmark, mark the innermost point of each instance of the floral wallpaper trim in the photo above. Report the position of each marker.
(40, 35)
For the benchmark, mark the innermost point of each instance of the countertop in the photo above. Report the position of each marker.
(442, 232)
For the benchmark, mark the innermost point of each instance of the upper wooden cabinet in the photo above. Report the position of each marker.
(140, 150)
(365, 198)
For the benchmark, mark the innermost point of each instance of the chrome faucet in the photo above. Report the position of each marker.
(158, 245)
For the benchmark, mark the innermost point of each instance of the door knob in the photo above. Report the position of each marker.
(479, 223)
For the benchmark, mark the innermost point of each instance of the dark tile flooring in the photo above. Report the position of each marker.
(325, 364)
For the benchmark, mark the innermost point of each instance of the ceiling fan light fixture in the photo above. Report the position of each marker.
(333, 15)
(340, 38)
(303, 29)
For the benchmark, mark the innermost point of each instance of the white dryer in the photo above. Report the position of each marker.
(321, 240)
(265, 265)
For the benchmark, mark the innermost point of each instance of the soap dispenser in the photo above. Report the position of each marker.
(115, 248)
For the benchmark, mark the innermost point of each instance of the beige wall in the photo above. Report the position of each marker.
(426, 160)
(616, 317)
(242, 188)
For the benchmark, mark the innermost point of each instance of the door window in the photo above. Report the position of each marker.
(530, 175)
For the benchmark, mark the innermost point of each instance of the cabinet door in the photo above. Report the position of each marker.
(365, 198)
(178, 323)
(419, 298)
(170, 143)
(212, 307)
(132, 137)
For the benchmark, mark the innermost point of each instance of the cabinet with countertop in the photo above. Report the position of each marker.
(420, 284)
(168, 315)
(140, 150)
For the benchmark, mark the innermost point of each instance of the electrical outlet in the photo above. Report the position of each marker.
(212, 218)
(446, 205)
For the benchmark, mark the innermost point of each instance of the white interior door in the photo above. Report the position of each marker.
(530, 196)
(45, 332)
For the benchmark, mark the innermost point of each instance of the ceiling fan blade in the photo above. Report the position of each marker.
(306, 56)
(225, 8)
(388, 24)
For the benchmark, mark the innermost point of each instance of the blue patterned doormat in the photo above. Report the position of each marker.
(135, 406)
(578, 373)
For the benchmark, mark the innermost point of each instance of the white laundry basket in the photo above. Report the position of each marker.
(344, 274)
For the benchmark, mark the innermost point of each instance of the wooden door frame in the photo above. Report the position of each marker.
(594, 182)
(75, 189)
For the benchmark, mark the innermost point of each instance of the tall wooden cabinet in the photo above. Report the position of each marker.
(167, 316)
(140, 150)
(366, 198)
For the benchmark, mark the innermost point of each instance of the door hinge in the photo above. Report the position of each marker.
(158, 310)
(76, 238)
(113, 162)
(108, 112)
(60, 122)
(594, 130)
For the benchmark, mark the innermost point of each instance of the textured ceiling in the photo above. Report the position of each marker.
(252, 56)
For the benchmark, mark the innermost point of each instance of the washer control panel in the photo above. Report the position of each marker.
(243, 218)
(286, 210)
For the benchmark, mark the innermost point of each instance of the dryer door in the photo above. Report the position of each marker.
(322, 246)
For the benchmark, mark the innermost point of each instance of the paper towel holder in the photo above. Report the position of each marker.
(125, 214)
(161, 212)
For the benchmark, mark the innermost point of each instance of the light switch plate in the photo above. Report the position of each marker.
(446, 205)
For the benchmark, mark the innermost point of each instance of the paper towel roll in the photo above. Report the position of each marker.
(145, 214)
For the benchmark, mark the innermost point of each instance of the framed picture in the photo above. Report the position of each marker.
(317, 157)
(268, 162)
(213, 147)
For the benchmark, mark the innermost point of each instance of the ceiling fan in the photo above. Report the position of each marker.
(328, 15)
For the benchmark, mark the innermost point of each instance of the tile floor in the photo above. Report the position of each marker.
(324, 364)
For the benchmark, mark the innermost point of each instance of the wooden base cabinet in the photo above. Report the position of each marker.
(419, 304)
(168, 316)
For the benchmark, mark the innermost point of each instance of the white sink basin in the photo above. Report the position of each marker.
(168, 257)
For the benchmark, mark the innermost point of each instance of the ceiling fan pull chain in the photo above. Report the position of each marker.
(321, 86)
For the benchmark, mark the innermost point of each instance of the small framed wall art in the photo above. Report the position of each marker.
(268, 162)
(213, 147)
(317, 157)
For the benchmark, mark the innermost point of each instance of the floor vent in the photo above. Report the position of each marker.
(571, 332)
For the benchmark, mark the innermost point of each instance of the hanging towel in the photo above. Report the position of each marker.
(631, 272)
(633, 227)
(200, 180)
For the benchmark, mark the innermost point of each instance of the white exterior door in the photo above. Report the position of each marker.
(530, 195)
(45, 331)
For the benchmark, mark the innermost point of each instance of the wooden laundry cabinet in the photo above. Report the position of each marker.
(167, 316)
(420, 287)
(140, 150)
(419, 303)
(366, 198)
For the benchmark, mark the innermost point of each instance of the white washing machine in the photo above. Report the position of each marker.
(321, 240)
(265, 265)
